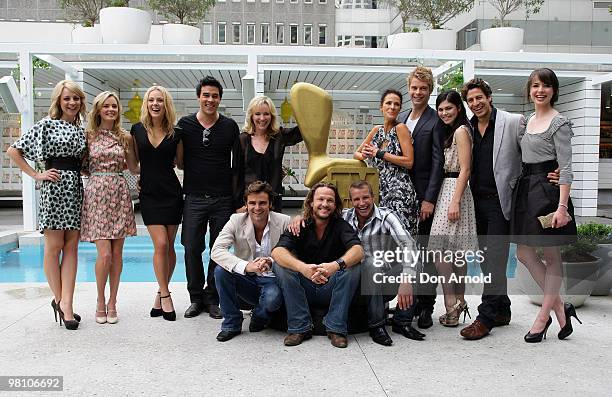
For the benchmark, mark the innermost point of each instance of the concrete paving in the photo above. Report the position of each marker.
(149, 356)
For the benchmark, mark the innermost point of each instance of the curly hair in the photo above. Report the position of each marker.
(310, 198)
(423, 74)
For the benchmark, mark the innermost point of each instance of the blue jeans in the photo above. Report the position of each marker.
(261, 292)
(299, 292)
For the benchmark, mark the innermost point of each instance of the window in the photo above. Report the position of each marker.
(307, 1)
(293, 1)
(265, 1)
(307, 34)
(280, 33)
(322, 34)
(221, 33)
(207, 33)
(280, 1)
(322, 1)
(265, 33)
(236, 32)
(250, 33)
(235, 1)
(293, 34)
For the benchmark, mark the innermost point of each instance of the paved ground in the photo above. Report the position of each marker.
(145, 356)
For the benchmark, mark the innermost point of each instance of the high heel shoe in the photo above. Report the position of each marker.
(169, 316)
(463, 308)
(570, 311)
(55, 306)
(101, 316)
(111, 315)
(155, 312)
(69, 324)
(537, 337)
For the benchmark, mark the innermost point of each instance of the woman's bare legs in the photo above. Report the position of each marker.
(114, 274)
(103, 266)
(164, 261)
(68, 270)
(54, 244)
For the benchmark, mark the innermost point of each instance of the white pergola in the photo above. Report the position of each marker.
(252, 70)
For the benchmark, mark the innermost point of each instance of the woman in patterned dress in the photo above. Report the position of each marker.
(108, 217)
(389, 148)
(59, 141)
(158, 147)
(454, 223)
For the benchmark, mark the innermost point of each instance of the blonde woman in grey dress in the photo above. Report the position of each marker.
(454, 222)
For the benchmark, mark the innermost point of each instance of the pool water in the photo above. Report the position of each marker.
(25, 264)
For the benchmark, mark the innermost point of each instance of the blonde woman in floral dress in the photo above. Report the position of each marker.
(108, 217)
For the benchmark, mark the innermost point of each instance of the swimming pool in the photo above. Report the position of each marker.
(25, 264)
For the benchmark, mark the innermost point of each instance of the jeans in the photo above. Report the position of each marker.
(336, 294)
(493, 231)
(261, 292)
(198, 212)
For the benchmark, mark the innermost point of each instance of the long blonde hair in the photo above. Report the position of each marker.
(94, 120)
(169, 114)
(55, 109)
(249, 127)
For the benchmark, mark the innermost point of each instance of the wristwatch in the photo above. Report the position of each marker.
(341, 263)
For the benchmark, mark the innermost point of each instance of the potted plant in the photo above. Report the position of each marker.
(602, 236)
(436, 13)
(187, 13)
(87, 12)
(579, 268)
(121, 24)
(289, 173)
(501, 36)
(410, 37)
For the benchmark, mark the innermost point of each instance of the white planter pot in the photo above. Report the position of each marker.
(176, 33)
(506, 39)
(412, 40)
(604, 280)
(125, 25)
(577, 285)
(87, 35)
(440, 39)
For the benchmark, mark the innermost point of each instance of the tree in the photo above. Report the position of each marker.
(506, 7)
(86, 11)
(406, 9)
(186, 11)
(437, 12)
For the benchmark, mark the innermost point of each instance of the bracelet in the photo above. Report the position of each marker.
(380, 154)
(563, 205)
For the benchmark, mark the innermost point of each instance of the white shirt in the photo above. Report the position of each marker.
(411, 124)
(262, 249)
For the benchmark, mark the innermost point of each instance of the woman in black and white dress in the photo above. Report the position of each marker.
(59, 141)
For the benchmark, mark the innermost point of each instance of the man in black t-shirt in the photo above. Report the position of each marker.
(319, 267)
(213, 185)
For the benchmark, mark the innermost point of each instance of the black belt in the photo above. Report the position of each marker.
(63, 163)
(451, 175)
(540, 168)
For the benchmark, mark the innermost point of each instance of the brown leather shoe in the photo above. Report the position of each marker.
(296, 339)
(337, 340)
(475, 331)
(501, 320)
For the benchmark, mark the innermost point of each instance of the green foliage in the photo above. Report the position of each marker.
(588, 236)
(452, 80)
(36, 64)
(185, 11)
(436, 13)
(506, 7)
(117, 3)
(86, 11)
(413, 30)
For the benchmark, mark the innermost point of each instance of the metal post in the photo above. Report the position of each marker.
(26, 79)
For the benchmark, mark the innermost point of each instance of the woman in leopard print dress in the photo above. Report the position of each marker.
(59, 141)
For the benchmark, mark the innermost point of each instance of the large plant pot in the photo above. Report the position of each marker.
(505, 39)
(125, 25)
(440, 39)
(87, 35)
(604, 279)
(577, 285)
(412, 40)
(176, 33)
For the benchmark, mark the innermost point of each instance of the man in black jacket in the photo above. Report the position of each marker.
(426, 173)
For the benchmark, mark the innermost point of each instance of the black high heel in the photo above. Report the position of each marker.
(537, 337)
(570, 311)
(69, 324)
(55, 306)
(157, 312)
(169, 316)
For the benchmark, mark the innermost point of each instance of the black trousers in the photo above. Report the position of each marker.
(493, 230)
(426, 292)
(199, 212)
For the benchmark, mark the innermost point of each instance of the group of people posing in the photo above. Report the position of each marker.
(446, 181)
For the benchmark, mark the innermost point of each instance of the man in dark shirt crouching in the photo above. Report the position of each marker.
(320, 266)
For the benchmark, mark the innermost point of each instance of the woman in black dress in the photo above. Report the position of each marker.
(263, 144)
(161, 196)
